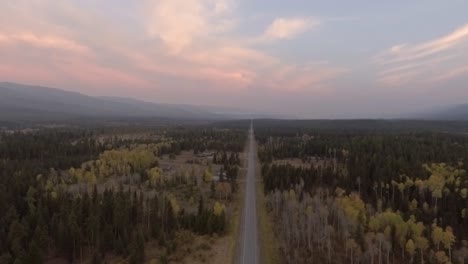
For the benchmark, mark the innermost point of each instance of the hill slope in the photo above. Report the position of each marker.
(455, 112)
(24, 102)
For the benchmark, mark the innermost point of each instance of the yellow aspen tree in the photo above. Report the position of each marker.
(422, 244)
(464, 193)
(448, 239)
(436, 183)
(174, 204)
(207, 176)
(154, 177)
(441, 257)
(410, 248)
(218, 208)
(437, 235)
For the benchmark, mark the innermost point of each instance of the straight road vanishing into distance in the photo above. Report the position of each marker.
(249, 248)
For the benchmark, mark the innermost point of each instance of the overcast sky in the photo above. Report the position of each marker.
(317, 59)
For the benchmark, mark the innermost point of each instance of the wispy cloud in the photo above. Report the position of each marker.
(287, 28)
(406, 63)
(42, 41)
(463, 70)
(302, 77)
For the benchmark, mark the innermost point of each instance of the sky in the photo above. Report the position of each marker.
(302, 58)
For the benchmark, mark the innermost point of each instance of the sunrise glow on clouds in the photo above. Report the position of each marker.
(155, 49)
(188, 39)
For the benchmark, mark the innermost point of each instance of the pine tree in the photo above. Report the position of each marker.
(34, 254)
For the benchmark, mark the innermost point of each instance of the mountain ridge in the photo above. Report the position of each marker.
(18, 101)
(451, 112)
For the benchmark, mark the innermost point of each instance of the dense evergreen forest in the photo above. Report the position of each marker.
(366, 195)
(81, 194)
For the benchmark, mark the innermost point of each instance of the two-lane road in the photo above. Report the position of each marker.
(249, 250)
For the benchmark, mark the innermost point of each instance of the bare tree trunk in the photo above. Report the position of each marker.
(380, 252)
(388, 255)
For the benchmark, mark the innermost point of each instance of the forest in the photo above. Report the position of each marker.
(357, 191)
(102, 194)
(342, 194)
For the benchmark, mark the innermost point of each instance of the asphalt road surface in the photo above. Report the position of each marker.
(249, 248)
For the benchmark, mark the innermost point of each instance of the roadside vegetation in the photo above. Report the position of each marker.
(267, 235)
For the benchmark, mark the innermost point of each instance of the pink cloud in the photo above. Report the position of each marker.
(295, 78)
(225, 77)
(76, 63)
(179, 22)
(96, 75)
(189, 40)
(49, 42)
(25, 72)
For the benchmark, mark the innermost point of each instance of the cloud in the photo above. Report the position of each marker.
(60, 62)
(169, 44)
(178, 22)
(287, 28)
(451, 74)
(41, 41)
(408, 63)
(295, 78)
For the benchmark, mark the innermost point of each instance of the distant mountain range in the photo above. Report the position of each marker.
(36, 103)
(20, 102)
(454, 112)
